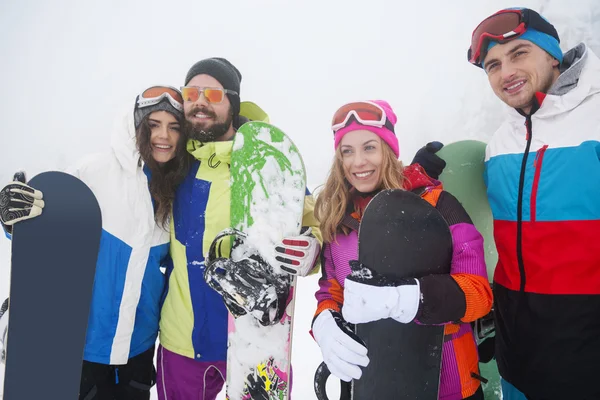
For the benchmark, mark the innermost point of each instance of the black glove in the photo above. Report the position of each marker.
(18, 202)
(431, 163)
(484, 329)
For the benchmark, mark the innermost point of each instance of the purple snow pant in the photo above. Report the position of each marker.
(183, 378)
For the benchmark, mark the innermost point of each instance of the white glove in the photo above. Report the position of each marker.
(342, 350)
(298, 254)
(3, 330)
(371, 297)
(19, 201)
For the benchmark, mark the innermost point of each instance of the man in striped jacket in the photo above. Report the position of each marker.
(542, 171)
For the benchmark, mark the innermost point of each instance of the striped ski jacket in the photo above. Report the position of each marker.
(543, 181)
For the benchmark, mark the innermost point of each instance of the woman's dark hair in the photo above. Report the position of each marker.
(165, 178)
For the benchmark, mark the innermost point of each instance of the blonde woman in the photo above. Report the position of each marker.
(366, 161)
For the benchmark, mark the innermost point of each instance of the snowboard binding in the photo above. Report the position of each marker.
(247, 286)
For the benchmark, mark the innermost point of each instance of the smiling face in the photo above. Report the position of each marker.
(164, 135)
(205, 121)
(362, 158)
(517, 70)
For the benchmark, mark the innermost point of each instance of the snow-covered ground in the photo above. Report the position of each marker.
(68, 66)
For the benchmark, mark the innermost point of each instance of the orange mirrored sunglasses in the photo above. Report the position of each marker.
(212, 95)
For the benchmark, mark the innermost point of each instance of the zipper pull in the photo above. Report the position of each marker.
(539, 154)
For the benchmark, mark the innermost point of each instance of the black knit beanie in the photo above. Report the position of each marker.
(223, 71)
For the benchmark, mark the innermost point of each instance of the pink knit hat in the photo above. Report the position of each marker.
(383, 132)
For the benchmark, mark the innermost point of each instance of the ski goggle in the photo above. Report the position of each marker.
(504, 26)
(212, 95)
(364, 112)
(156, 94)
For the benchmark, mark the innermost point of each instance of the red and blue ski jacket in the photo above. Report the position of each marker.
(543, 182)
(454, 299)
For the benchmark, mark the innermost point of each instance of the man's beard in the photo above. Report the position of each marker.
(210, 134)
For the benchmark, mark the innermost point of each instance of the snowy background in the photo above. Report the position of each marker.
(67, 67)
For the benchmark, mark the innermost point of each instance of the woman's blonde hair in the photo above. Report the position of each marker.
(334, 197)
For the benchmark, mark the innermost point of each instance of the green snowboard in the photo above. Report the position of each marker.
(268, 186)
(463, 178)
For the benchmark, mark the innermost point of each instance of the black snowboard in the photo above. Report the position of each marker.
(400, 236)
(52, 274)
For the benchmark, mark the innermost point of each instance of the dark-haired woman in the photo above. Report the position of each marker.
(134, 184)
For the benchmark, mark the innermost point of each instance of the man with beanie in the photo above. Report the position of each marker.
(193, 326)
(220, 73)
(542, 170)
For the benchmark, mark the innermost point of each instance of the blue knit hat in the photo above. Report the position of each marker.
(542, 40)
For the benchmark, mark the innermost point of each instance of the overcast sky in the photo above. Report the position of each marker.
(68, 66)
